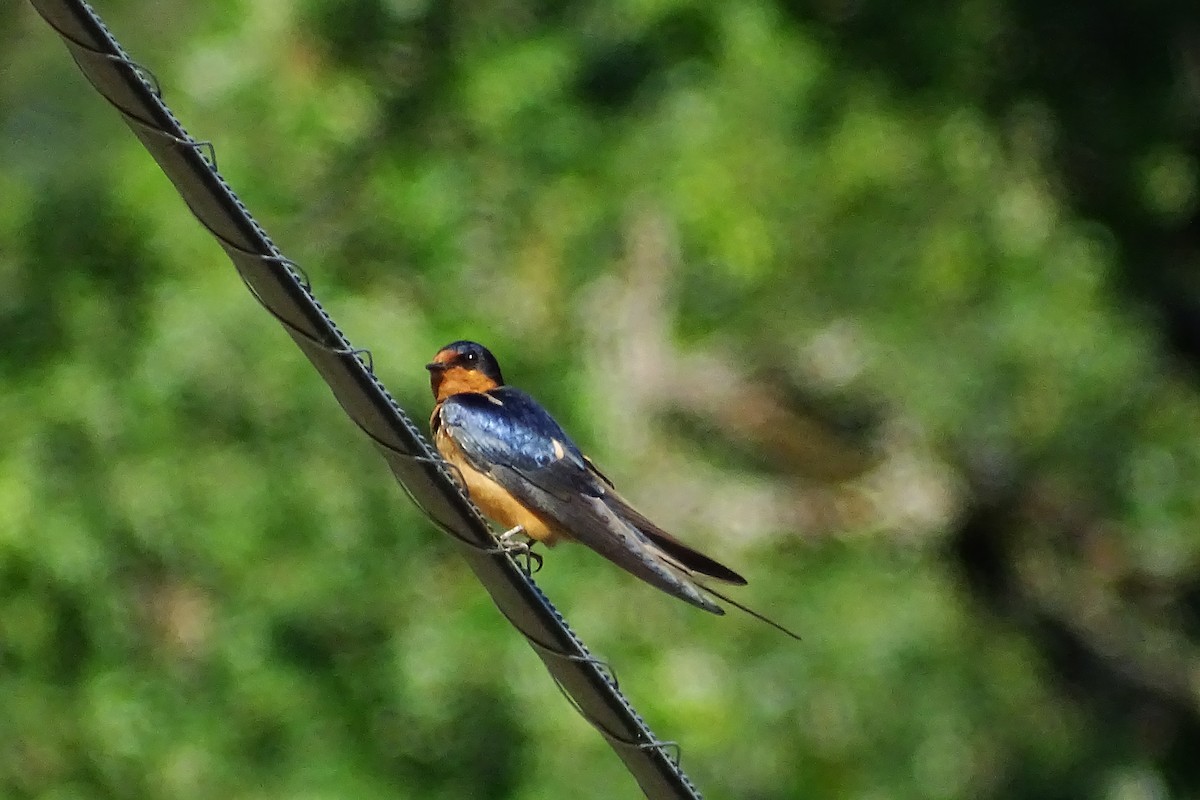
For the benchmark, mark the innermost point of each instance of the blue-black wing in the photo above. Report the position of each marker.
(507, 435)
(507, 431)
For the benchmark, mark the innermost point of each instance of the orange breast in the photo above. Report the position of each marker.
(493, 500)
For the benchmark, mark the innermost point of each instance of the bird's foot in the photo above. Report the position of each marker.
(510, 536)
(517, 544)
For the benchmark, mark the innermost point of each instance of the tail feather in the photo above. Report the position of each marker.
(750, 611)
(687, 557)
(622, 543)
(687, 575)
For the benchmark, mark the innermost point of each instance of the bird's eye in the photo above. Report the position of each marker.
(469, 358)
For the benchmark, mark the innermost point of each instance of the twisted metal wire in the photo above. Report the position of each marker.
(284, 291)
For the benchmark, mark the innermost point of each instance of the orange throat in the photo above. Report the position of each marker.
(456, 380)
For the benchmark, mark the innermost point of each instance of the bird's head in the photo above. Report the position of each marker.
(463, 367)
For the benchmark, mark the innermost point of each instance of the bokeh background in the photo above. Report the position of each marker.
(893, 306)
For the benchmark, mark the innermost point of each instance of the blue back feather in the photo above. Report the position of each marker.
(518, 434)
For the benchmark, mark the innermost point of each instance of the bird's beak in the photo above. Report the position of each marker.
(436, 366)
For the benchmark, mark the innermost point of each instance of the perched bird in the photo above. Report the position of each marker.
(523, 471)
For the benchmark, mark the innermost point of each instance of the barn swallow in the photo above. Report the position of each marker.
(523, 471)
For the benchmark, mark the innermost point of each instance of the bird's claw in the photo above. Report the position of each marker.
(520, 549)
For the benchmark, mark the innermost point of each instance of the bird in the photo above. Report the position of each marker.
(522, 470)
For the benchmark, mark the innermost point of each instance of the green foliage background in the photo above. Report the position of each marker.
(892, 306)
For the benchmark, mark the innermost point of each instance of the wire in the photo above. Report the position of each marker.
(283, 289)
